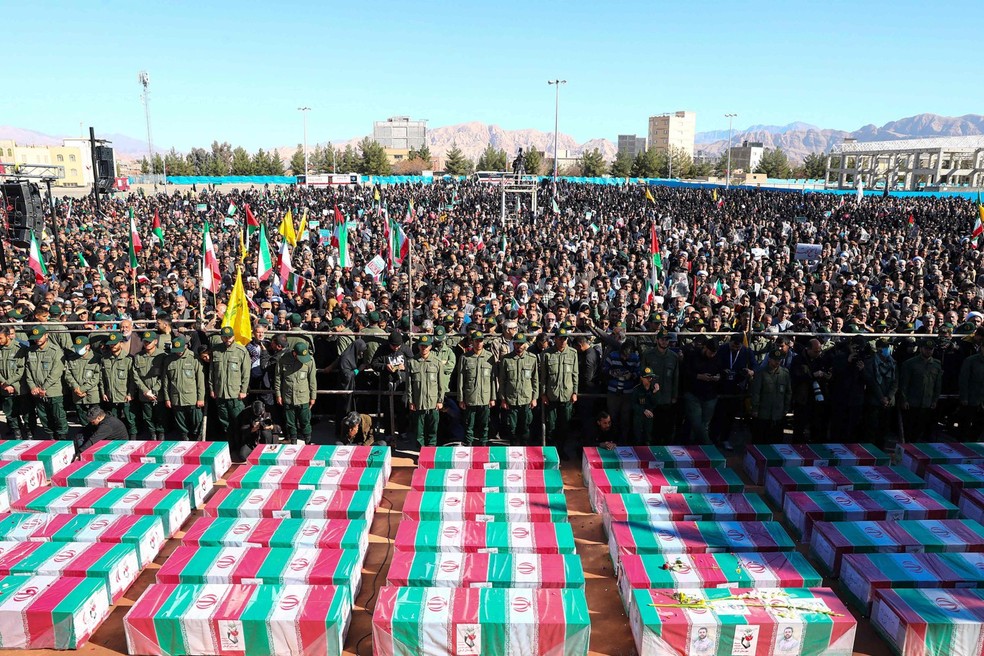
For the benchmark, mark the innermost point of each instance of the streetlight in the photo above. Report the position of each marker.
(304, 111)
(556, 83)
(730, 118)
(144, 78)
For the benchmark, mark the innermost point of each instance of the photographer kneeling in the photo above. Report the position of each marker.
(357, 431)
(256, 427)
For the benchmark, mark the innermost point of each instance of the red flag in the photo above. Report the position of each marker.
(252, 225)
(339, 220)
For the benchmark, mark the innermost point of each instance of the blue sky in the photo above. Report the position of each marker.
(237, 71)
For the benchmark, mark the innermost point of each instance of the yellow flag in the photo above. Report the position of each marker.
(649, 196)
(714, 194)
(302, 232)
(237, 312)
(375, 194)
(287, 229)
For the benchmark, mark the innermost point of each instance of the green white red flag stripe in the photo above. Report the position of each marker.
(264, 260)
(489, 457)
(313, 455)
(278, 533)
(662, 481)
(918, 456)
(950, 480)
(759, 457)
(144, 532)
(485, 570)
(211, 277)
(48, 612)
(215, 455)
(55, 455)
(224, 619)
(653, 457)
(35, 261)
(923, 622)
(972, 505)
(296, 477)
(680, 507)
(197, 481)
(296, 504)
(21, 477)
(488, 480)
(696, 537)
(485, 506)
(485, 537)
(780, 480)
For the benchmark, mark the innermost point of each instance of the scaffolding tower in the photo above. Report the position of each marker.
(518, 197)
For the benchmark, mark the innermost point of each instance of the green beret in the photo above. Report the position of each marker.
(335, 323)
(55, 310)
(295, 319)
(439, 332)
(374, 317)
(561, 333)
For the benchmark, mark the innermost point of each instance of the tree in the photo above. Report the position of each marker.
(348, 161)
(277, 164)
(533, 161)
(425, 156)
(774, 164)
(592, 164)
(198, 161)
(721, 167)
(144, 166)
(815, 166)
(702, 169)
(297, 160)
(412, 154)
(456, 163)
(622, 166)
(262, 163)
(682, 163)
(221, 163)
(158, 164)
(648, 163)
(373, 158)
(242, 164)
(414, 166)
(492, 159)
(176, 164)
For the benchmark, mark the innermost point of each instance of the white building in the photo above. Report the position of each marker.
(911, 164)
(675, 129)
(400, 133)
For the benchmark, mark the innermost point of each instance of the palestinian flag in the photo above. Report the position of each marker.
(781, 480)
(196, 481)
(252, 225)
(48, 612)
(264, 263)
(278, 533)
(656, 259)
(485, 570)
(683, 479)
(232, 210)
(211, 278)
(223, 619)
(485, 506)
(289, 280)
(157, 229)
(486, 537)
(951, 480)
(863, 575)
(144, 532)
(55, 455)
(917, 457)
(214, 455)
(697, 537)
(135, 244)
(554, 205)
(298, 504)
(489, 457)
(36, 261)
(490, 480)
(759, 457)
(18, 478)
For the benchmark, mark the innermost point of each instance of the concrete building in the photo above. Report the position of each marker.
(910, 164)
(676, 129)
(631, 144)
(73, 155)
(746, 157)
(400, 133)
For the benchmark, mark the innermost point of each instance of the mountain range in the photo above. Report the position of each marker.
(797, 139)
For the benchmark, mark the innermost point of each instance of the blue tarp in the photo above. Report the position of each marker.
(230, 179)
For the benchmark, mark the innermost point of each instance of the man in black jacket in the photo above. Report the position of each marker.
(101, 426)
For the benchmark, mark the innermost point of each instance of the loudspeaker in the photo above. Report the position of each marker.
(24, 211)
(105, 170)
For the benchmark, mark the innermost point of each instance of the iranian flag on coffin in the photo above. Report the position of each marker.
(684, 507)
(172, 506)
(278, 533)
(972, 505)
(950, 480)
(485, 570)
(918, 457)
(214, 455)
(299, 477)
(323, 456)
(251, 566)
(195, 480)
(722, 570)
(650, 457)
(485, 537)
(802, 509)
(488, 480)
(19, 478)
(144, 533)
(55, 455)
(114, 565)
(485, 507)
(862, 574)
(489, 457)
(831, 540)
(931, 622)
(233, 620)
(48, 612)
(297, 504)
(758, 458)
(660, 481)
(470, 622)
(780, 480)
(696, 537)
(757, 622)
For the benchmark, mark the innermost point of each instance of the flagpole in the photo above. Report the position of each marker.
(410, 282)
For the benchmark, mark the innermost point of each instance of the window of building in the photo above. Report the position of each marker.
(10, 152)
(61, 158)
(74, 172)
(71, 158)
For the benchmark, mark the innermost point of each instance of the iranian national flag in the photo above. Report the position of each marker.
(289, 280)
(135, 245)
(252, 225)
(656, 258)
(342, 237)
(82, 261)
(264, 263)
(211, 278)
(975, 236)
(158, 230)
(36, 261)
(399, 245)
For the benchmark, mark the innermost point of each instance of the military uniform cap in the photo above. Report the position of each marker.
(648, 373)
(114, 338)
(302, 352)
(520, 338)
(80, 340)
(227, 331)
(37, 332)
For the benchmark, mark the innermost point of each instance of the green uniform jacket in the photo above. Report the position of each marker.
(228, 376)
(772, 394)
(12, 367)
(920, 382)
(117, 381)
(58, 333)
(425, 390)
(448, 362)
(642, 400)
(666, 366)
(147, 373)
(518, 378)
(972, 380)
(295, 381)
(558, 374)
(476, 379)
(184, 380)
(84, 372)
(45, 368)
(374, 337)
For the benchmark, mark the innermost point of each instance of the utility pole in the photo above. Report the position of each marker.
(144, 78)
(730, 118)
(304, 111)
(95, 169)
(557, 84)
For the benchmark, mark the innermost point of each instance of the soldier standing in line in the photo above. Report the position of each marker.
(16, 402)
(425, 392)
(117, 382)
(450, 414)
(83, 373)
(476, 390)
(44, 371)
(148, 365)
(665, 365)
(972, 396)
(558, 383)
(295, 388)
(643, 403)
(183, 389)
(771, 399)
(518, 384)
(228, 383)
(920, 386)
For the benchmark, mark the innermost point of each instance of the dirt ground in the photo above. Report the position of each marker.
(610, 632)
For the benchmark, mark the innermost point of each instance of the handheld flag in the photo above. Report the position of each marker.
(264, 264)
(975, 236)
(211, 278)
(82, 261)
(399, 247)
(135, 245)
(237, 312)
(252, 225)
(860, 189)
(158, 230)
(655, 255)
(287, 229)
(556, 207)
(649, 196)
(303, 230)
(341, 236)
(232, 210)
(36, 262)
(289, 280)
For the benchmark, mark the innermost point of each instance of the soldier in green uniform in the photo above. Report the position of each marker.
(425, 392)
(643, 403)
(117, 382)
(183, 389)
(83, 375)
(920, 386)
(295, 388)
(972, 395)
(43, 374)
(517, 388)
(228, 382)
(558, 386)
(16, 402)
(476, 390)
(771, 399)
(374, 337)
(665, 365)
(446, 355)
(148, 367)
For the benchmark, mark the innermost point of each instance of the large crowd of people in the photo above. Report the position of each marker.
(549, 326)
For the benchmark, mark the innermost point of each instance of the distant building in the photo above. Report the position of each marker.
(631, 144)
(746, 157)
(73, 155)
(400, 133)
(909, 164)
(676, 130)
